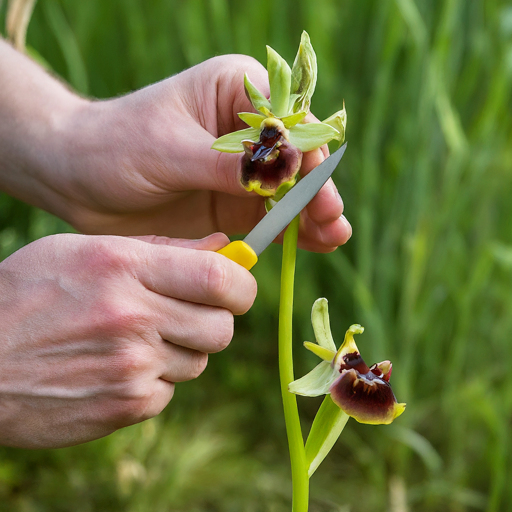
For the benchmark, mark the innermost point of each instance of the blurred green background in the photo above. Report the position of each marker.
(427, 184)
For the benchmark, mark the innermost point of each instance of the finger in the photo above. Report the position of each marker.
(180, 364)
(325, 237)
(195, 326)
(198, 276)
(327, 205)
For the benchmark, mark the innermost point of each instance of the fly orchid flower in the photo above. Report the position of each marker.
(360, 391)
(278, 134)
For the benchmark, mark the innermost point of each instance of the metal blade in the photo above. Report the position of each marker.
(292, 203)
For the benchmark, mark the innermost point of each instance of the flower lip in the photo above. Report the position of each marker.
(368, 398)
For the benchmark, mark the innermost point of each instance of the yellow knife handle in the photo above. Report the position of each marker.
(241, 253)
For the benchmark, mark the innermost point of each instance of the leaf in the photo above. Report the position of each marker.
(253, 120)
(310, 136)
(327, 426)
(259, 102)
(304, 75)
(232, 142)
(279, 77)
(293, 119)
(321, 324)
(315, 383)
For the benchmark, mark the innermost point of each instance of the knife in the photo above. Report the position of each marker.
(245, 252)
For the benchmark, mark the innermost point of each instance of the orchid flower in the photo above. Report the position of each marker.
(278, 134)
(360, 391)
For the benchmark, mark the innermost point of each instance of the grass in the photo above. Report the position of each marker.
(428, 272)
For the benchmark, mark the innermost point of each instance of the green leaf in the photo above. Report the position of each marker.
(310, 136)
(321, 324)
(259, 102)
(293, 119)
(304, 75)
(253, 120)
(315, 383)
(329, 422)
(232, 142)
(279, 77)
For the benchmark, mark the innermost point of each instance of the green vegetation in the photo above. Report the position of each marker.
(426, 180)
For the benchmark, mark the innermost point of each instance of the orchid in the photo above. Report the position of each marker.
(278, 134)
(360, 391)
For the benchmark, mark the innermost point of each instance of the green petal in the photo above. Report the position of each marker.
(339, 122)
(304, 75)
(321, 352)
(349, 345)
(232, 142)
(253, 120)
(279, 77)
(310, 136)
(255, 96)
(317, 382)
(325, 431)
(294, 119)
(321, 324)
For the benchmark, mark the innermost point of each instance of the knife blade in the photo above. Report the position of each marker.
(245, 252)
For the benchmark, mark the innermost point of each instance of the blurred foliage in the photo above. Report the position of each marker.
(428, 272)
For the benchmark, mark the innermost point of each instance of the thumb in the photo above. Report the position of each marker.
(212, 242)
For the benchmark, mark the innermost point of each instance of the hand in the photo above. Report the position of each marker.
(95, 331)
(142, 163)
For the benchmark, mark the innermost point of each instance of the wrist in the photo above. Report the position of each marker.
(35, 110)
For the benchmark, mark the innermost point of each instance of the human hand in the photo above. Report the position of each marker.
(142, 163)
(95, 331)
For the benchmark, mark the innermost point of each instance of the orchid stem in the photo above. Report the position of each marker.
(300, 479)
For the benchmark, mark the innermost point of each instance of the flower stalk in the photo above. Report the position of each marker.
(299, 466)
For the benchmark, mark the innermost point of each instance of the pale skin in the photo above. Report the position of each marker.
(96, 329)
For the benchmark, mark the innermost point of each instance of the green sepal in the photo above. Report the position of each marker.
(293, 119)
(327, 426)
(315, 383)
(257, 99)
(232, 142)
(253, 120)
(279, 77)
(304, 75)
(310, 136)
(321, 324)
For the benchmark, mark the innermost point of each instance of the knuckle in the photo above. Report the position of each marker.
(102, 255)
(127, 366)
(217, 280)
(116, 316)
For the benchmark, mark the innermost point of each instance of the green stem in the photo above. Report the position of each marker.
(300, 479)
